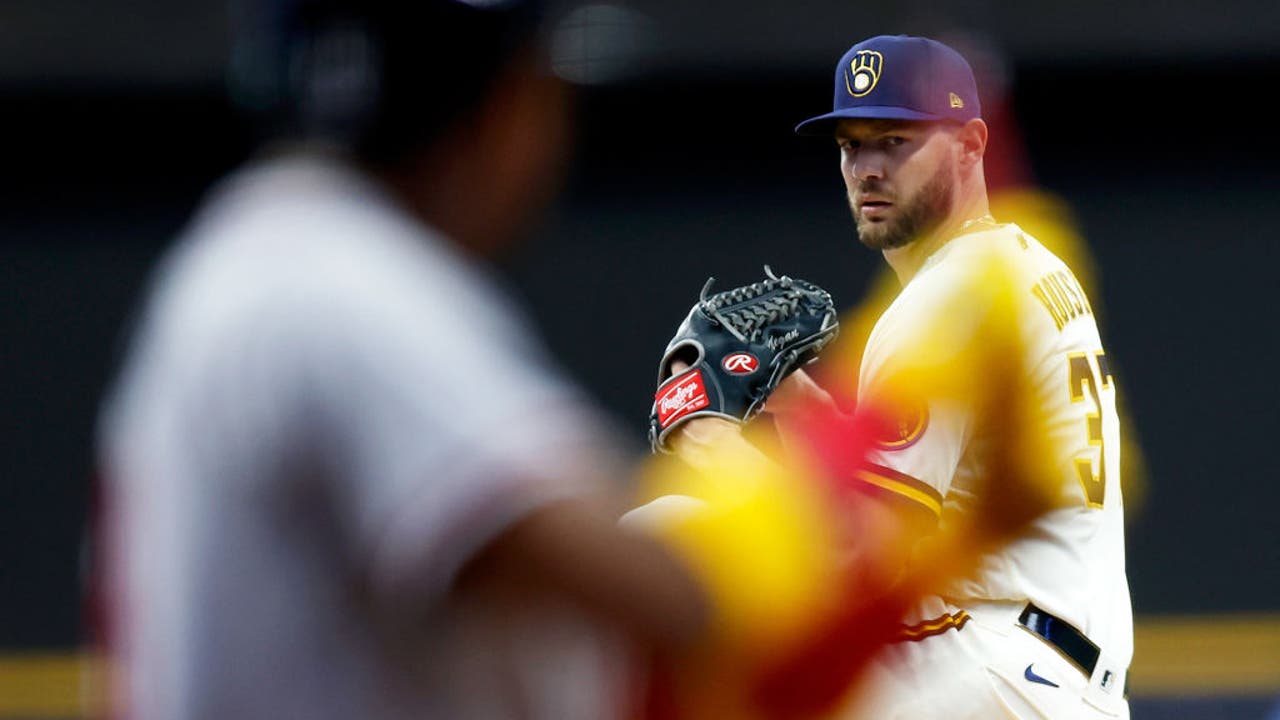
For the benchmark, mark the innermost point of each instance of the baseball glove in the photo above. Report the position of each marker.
(739, 344)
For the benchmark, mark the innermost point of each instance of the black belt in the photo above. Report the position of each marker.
(1067, 640)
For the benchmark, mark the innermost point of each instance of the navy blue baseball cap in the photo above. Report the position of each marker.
(900, 77)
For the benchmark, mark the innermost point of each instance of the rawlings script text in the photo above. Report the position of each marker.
(683, 398)
(678, 398)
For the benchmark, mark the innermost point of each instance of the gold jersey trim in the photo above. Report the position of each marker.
(903, 485)
(936, 626)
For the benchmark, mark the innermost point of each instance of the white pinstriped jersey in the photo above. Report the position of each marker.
(1071, 562)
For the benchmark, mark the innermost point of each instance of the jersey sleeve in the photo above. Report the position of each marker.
(919, 346)
(914, 466)
(441, 428)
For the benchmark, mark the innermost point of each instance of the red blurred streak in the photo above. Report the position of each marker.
(813, 679)
(811, 676)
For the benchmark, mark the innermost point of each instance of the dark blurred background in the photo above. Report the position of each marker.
(1152, 126)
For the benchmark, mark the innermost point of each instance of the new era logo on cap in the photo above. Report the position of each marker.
(900, 77)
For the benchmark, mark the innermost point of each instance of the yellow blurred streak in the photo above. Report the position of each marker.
(760, 542)
(1180, 656)
(50, 685)
(1197, 655)
(1050, 220)
(838, 366)
(756, 537)
(1175, 656)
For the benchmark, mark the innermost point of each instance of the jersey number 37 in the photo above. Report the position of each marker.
(1091, 380)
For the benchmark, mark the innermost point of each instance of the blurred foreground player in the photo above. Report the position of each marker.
(343, 480)
(1042, 626)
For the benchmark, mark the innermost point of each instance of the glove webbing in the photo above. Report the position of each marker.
(747, 321)
(750, 320)
(746, 292)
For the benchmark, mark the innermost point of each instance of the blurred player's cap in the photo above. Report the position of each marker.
(370, 74)
(900, 77)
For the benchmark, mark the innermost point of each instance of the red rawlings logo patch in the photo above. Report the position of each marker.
(683, 395)
(741, 363)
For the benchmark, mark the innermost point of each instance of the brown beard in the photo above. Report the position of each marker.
(931, 204)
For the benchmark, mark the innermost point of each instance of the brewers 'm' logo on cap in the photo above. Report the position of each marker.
(863, 72)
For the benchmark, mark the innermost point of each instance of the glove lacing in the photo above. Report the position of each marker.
(746, 322)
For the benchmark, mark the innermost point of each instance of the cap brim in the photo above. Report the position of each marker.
(826, 124)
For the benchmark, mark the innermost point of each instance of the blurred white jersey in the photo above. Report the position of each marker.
(326, 411)
(1069, 566)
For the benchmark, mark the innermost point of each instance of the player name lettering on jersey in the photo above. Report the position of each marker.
(1060, 293)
